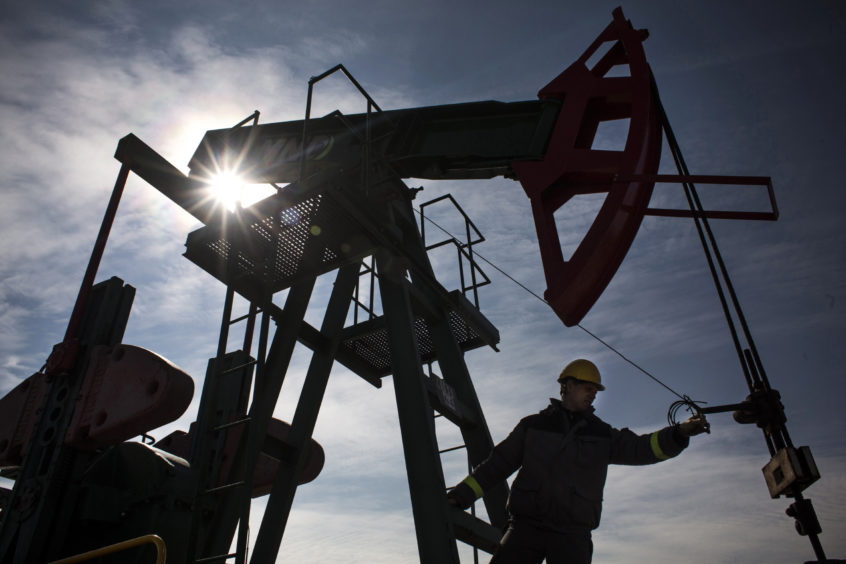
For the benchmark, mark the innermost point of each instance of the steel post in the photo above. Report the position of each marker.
(285, 484)
(266, 391)
(63, 358)
(435, 537)
(477, 438)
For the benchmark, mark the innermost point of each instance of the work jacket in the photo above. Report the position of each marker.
(563, 459)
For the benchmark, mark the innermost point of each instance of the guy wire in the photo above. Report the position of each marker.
(683, 398)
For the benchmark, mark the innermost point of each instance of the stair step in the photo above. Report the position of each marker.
(475, 532)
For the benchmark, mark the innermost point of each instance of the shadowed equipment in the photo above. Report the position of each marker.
(339, 206)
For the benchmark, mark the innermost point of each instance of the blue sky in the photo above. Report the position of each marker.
(750, 88)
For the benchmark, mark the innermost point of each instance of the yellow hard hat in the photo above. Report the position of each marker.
(583, 370)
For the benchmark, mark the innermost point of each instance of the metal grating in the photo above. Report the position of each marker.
(369, 341)
(273, 243)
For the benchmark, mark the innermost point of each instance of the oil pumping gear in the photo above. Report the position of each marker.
(345, 208)
(791, 469)
(692, 407)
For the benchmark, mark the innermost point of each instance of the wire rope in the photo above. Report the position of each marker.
(683, 400)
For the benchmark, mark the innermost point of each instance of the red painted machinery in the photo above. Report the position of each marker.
(548, 145)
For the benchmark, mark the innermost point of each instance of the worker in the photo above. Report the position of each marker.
(563, 454)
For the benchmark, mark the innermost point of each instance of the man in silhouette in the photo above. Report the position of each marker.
(563, 454)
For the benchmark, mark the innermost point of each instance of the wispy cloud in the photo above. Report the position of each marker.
(84, 95)
(711, 505)
(74, 85)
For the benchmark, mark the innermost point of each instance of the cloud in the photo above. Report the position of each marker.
(332, 531)
(711, 505)
(73, 85)
(84, 94)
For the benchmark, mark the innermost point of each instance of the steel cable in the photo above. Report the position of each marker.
(682, 398)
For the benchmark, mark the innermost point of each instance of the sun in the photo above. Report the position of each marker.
(227, 189)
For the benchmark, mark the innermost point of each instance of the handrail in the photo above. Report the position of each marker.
(370, 105)
(465, 249)
(161, 550)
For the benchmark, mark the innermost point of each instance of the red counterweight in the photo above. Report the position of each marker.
(127, 391)
(571, 166)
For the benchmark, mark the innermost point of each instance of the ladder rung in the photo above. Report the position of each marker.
(452, 449)
(242, 318)
(237, 368)
(225, 487)
(233, 423)
(216, 558)
(475, 532)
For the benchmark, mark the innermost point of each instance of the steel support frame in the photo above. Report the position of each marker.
(477, 437)
(433, 520)
(305, 418)
(268, 384)
(44, 493)
(405, 272)
(435, 535)
(399, 252)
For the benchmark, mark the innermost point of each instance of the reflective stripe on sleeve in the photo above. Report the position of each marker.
(656, 447)
(474, 485)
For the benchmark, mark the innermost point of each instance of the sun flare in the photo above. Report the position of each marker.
(227, 189)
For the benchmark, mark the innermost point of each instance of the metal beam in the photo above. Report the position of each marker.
(474, 531)
(166, 178)
(435, 538)
(285, 485)
(477, 438)
(267, 387)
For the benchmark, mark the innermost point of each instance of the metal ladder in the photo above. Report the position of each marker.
(223, 408)
(487, 543)
(445, 395)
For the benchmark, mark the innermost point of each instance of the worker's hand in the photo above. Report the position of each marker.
(461, 496)
(694, 426)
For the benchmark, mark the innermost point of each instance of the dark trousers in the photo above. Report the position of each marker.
(526, 544)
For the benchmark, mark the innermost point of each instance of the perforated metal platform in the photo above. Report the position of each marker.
(269, 246)
(275, 242)
(368, 341)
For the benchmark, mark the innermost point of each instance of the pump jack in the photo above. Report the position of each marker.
(81, 485)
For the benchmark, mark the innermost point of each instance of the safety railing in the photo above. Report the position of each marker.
(464, 248)
(155, 540)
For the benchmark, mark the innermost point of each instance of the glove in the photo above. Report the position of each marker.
(461, 496)
(694, 425)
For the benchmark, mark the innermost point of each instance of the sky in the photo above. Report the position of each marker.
(750, 88)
